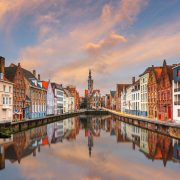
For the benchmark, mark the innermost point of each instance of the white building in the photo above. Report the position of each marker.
(136, 98)
(129, 99)
(49, 97)
(176, 93)
(144, 141)
(144, 93)
(58, 98)
(123, 100)
(69, 105)
(6, 96)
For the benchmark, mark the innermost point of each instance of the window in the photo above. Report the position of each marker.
(4, 88)
(178, 112)
(178, 72)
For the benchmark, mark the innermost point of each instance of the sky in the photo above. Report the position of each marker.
(63, 39)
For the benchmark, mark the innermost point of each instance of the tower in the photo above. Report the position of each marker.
(90, 84)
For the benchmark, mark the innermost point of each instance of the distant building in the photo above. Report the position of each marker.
(90, 84)
(119, 89)
(112, 100)
(58, 98)
(176, 93)
(107, 101)
(128, 106)
(96, 98)
(6, 95)
(68, 101)
(49, 98)
(72, 89)
(15, 75)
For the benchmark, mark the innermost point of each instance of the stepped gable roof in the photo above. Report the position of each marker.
(146, 71)
(10, 73)
(68, 93)
(119, 87)
(113, 93)
(158, 72)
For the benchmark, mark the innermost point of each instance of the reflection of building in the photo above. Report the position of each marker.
(144, 141)
(50, 132)
(160, 147)
(58, 132)
(176, 93)
(176, 152)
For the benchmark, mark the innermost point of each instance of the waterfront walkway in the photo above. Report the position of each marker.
(146, 119)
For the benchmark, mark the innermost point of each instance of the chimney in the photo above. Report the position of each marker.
(2, 64)
(133, 80)
(34, 73)
(39, 77)
(19, 64)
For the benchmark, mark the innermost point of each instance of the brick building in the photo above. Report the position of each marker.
(153, 83)
(15, 75)
(72, 89)
(165, 93)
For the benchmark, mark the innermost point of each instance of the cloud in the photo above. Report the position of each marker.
(109, 42)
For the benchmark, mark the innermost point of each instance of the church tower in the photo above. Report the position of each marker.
(90, 84)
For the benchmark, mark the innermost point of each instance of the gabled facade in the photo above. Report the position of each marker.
(72, 89)
(58, 98)
(135, 97)
(144, 92)
(36, 95)
(6, 95)
(176, 93)
(119, 89)
(153, 85)
(15, 75)
(112, 100)
(49, 98)
(165, 93)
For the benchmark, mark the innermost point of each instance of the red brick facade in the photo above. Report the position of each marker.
(153, 82)
(165, 93)
(15, 75)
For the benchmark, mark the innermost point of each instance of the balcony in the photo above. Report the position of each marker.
(5, 106)
(177, 103)
(177, 90)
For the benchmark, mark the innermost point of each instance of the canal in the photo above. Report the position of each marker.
(89, 147)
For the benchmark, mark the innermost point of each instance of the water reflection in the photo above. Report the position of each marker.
(154, 146)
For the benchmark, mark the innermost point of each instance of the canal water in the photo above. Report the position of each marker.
(89, 147)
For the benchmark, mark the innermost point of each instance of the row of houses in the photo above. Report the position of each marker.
(155, 94)
(23, 95)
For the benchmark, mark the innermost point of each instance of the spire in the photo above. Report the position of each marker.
(164, 62)
(89, 72)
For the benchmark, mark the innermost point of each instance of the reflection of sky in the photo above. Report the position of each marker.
(70, 160)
